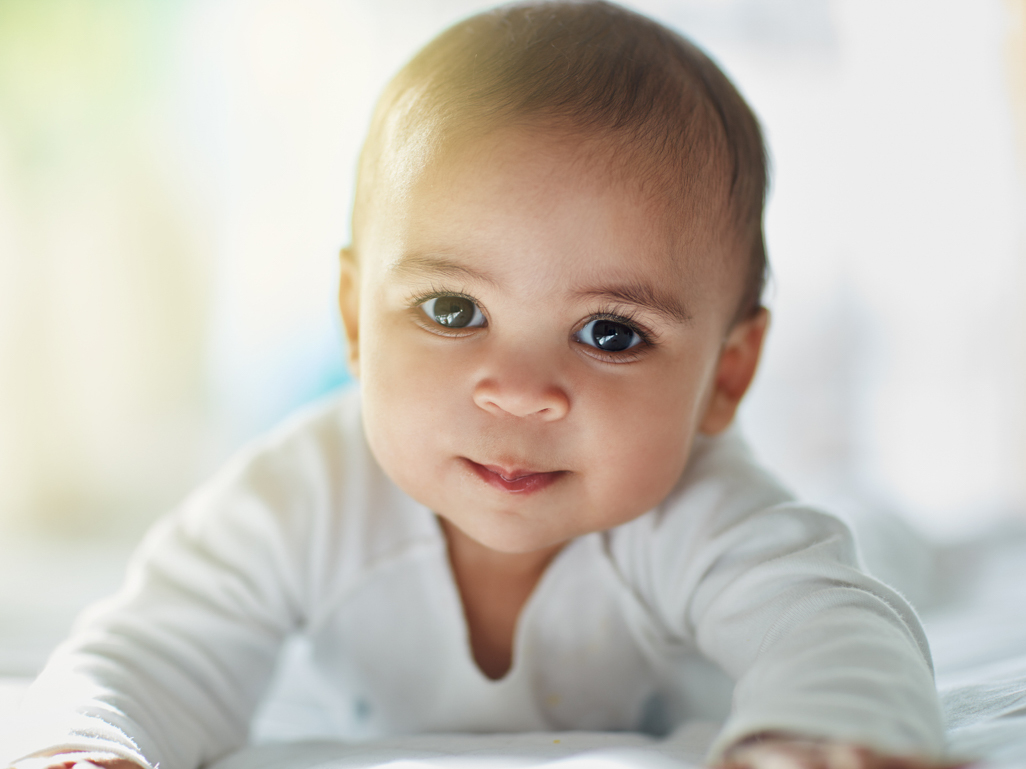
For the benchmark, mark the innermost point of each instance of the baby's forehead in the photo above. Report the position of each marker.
(590, 162)
(600, 193)
(570, 158)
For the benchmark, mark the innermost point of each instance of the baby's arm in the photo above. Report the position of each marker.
(171, 669)
(771, 591)
(817, 648)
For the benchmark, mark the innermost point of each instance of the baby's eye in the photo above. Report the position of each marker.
(453, 312)
(608, 335)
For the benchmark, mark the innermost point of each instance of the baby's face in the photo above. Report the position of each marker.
(537, 344)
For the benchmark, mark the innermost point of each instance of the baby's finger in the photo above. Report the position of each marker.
(872, 760)
(841, 756)
(781, 754)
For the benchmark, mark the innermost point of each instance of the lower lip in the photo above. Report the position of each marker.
(525, 484)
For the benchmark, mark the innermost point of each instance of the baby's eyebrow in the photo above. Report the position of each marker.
(418, 265)
(642, 295)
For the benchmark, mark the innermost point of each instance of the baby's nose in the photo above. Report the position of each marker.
(521, 395)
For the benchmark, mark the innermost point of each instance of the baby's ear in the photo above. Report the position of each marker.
(734, 371)
(349, 304)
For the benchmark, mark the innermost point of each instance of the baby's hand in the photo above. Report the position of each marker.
(780, 752)
(67, 761)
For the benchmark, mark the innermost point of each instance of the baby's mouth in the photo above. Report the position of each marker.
(514, 480)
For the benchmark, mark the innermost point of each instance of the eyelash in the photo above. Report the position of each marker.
(617, 314)
(415, 300)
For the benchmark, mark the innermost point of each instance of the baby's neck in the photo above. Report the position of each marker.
(494, 587)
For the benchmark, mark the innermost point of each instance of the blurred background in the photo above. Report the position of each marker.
(175, 181)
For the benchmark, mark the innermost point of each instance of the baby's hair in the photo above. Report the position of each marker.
(595, 70)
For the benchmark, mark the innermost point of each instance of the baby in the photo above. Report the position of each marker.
(533, 514)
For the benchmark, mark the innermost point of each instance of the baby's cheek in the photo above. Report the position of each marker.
(634, 468)
(655, 443)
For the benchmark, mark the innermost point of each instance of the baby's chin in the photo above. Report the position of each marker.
(510, 537)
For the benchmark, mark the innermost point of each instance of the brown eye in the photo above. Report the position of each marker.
(453, 312)
(608, 335)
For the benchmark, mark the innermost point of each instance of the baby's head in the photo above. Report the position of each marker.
(556, 269)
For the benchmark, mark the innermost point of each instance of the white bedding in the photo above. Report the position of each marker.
(501, 751)
(978, 639)
(973, 601)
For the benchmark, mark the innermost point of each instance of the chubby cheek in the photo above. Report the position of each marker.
(406, 403)
(643, 434)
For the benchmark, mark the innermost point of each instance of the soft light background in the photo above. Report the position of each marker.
(175, 179)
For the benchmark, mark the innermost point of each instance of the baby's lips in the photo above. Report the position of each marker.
(512, 475)
(515, 480)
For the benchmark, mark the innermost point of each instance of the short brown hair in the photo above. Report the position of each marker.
(596, 68)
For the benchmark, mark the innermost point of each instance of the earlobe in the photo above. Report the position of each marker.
(349, 305)
(734, 372)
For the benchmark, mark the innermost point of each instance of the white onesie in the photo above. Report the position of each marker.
(729, 601)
